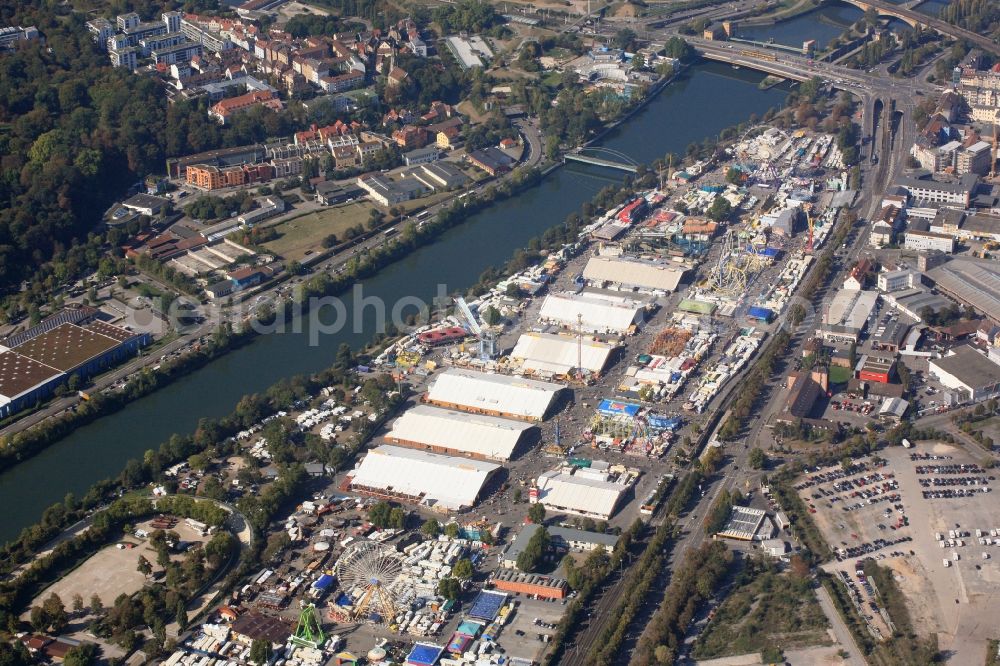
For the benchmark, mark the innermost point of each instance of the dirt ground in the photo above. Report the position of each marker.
(958, 602)
(112, 570)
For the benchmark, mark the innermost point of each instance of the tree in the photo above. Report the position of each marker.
(181, 616)
(379, 514)
(397, 518)
(260, 651)
(84, 654)
(96, 605)
(463, 569)
(144, 567)
(720, 210)
(54, 613)
(534, 552)
(14, 653)
(452, 530)
(516, 495)
(431, 528)
(624, 39)
(536, 513)
(757, 458)
(77, 602)
(449, 588)
(492, 316)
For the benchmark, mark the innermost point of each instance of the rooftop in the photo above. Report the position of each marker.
(66, 347)
(503, 394)
(969, 366)
(642, 274)
(488, 436)
(19, 374)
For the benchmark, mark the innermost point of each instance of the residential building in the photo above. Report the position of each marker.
(449, 138)
(102, 30)
(410, 137)
(210, 177)
(561, 539)
(225, 109)
(974, 159)
(342, 82)
(890, 281)
(421, 156)
(955, 192)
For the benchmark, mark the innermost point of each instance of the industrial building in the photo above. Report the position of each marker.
(592, 313)
(455, 433)
(971, 281)
(543, 587)
(633, 274)
(562, 539)
(592, 492)
(496, 395)
(550, 355)
(877, 369)
(847, 315)
(928, 240)
(968, 371)
(73, 342)
(442, 483)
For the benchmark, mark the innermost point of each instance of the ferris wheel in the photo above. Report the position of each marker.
(371, 575)
(759, 151)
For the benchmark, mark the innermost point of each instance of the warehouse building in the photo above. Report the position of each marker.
(973, 282)
(455, 433)
(632, 274)
(550, 355)
(591, 312)
(73, 342)
(562, 539)
(442, 483)
(847, 315)
(967, 371)
(495, 395)
(589, 492)
(543, 587)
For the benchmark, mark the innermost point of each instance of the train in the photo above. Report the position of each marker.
(760, 55)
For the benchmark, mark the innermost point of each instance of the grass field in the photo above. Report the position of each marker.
(771, 610)
(839, 375)
(301, 235)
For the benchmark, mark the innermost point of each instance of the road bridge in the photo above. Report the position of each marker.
(914, 18)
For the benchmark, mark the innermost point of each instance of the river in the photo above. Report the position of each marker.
(700, 103)
(822, 24)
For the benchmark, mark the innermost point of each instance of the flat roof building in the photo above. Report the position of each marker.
(561, 538)
(633, 274)
(492, 394)
(443, 483)
(550, 355)
(457, 433)
(967, 370)
(544, 587)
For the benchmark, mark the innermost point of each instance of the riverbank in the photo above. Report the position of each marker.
(701, 102)
(23, 445)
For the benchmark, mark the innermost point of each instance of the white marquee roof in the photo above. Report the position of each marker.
(503, 394)
(599, 313)
(557, 354)
(478, 434)
(441, 480)
(632, 273)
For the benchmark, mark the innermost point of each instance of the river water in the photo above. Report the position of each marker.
(700, 103)
(822, 24)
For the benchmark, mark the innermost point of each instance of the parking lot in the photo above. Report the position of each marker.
(917, 513)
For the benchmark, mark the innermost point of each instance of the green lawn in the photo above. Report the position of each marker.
(771, 610)
(839, 375)
(301, 235)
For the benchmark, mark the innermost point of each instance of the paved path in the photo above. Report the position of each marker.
(840, 629)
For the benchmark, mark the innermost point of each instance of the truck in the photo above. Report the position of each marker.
(947, 563)
(955, 556)
(907, 444)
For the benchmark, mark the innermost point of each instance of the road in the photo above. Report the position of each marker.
(532, 157)
(840, 630)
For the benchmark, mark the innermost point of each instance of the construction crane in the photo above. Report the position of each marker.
(487, 341)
